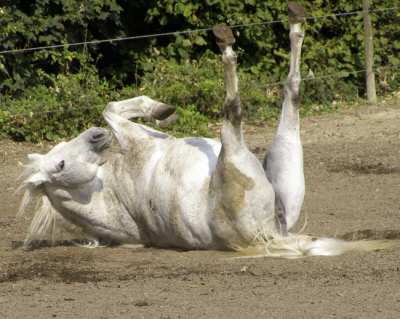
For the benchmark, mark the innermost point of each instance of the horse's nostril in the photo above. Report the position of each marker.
(98, 137)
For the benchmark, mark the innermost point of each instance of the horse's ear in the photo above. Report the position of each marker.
(35, 157)
(35, 180)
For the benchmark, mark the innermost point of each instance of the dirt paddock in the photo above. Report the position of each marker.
(352, 169)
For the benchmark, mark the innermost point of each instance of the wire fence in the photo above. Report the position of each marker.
(340, 74)
(186, 32)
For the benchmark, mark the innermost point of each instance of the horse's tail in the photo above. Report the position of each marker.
(296, 246)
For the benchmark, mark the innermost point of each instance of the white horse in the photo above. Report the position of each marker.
(191, 193)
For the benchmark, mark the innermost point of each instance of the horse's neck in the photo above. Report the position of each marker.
(93, 206)
(77, 201)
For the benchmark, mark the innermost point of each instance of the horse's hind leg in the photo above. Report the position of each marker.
(241, 195)
(283, 162)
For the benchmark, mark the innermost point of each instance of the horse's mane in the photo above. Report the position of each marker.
(30, 191)
(46, 218)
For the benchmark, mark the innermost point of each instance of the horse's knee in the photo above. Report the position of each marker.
(109, 111)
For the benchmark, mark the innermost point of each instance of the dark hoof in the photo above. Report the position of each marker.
(168, 122)
(223, 35)
(297, 13)
(162, 111)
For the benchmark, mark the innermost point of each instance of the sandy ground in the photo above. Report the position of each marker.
(352, 169)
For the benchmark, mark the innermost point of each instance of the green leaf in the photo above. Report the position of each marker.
(169, 8)
(179, 7)
(49, 136)
(282, 54)
(186, 43)
(348, 37)
(163, 20)
(179, 40)
(199, 40)
(183, 53)
(347, 57)
(171, 50)
(187, 12)
(254, 69)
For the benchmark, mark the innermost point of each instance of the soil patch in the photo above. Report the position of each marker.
(352, 169)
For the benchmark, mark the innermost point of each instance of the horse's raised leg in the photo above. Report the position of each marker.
(117, 115)
(242, 197)
(283, 162)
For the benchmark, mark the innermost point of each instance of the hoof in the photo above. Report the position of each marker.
(297, 13)
(168, 122)
(223, 36)
(162, 111)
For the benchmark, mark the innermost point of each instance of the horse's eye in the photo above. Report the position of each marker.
(61, 164)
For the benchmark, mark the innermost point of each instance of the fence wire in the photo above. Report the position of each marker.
(186, 32)
(340, 74)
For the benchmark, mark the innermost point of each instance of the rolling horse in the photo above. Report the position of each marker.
(189, 193)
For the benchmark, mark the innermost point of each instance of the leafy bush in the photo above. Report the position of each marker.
(60, 107)
(181, 69)
(30, 24)
(332, 45)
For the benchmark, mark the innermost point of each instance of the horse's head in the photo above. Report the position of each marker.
(72, 163)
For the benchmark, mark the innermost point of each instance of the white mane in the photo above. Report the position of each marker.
(30, 191)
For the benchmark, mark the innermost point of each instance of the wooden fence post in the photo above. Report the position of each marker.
(369, 53)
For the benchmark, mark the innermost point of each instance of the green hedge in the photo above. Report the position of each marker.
(181, 69)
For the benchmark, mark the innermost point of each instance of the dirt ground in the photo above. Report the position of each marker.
(352, 169)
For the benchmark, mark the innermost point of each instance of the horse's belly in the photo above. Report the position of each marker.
(178, 196)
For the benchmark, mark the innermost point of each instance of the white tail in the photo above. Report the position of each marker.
(296, 246)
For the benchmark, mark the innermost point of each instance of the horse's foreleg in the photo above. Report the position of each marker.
(231, 130)
(117, 115)
(283, 162)
(141, 106)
